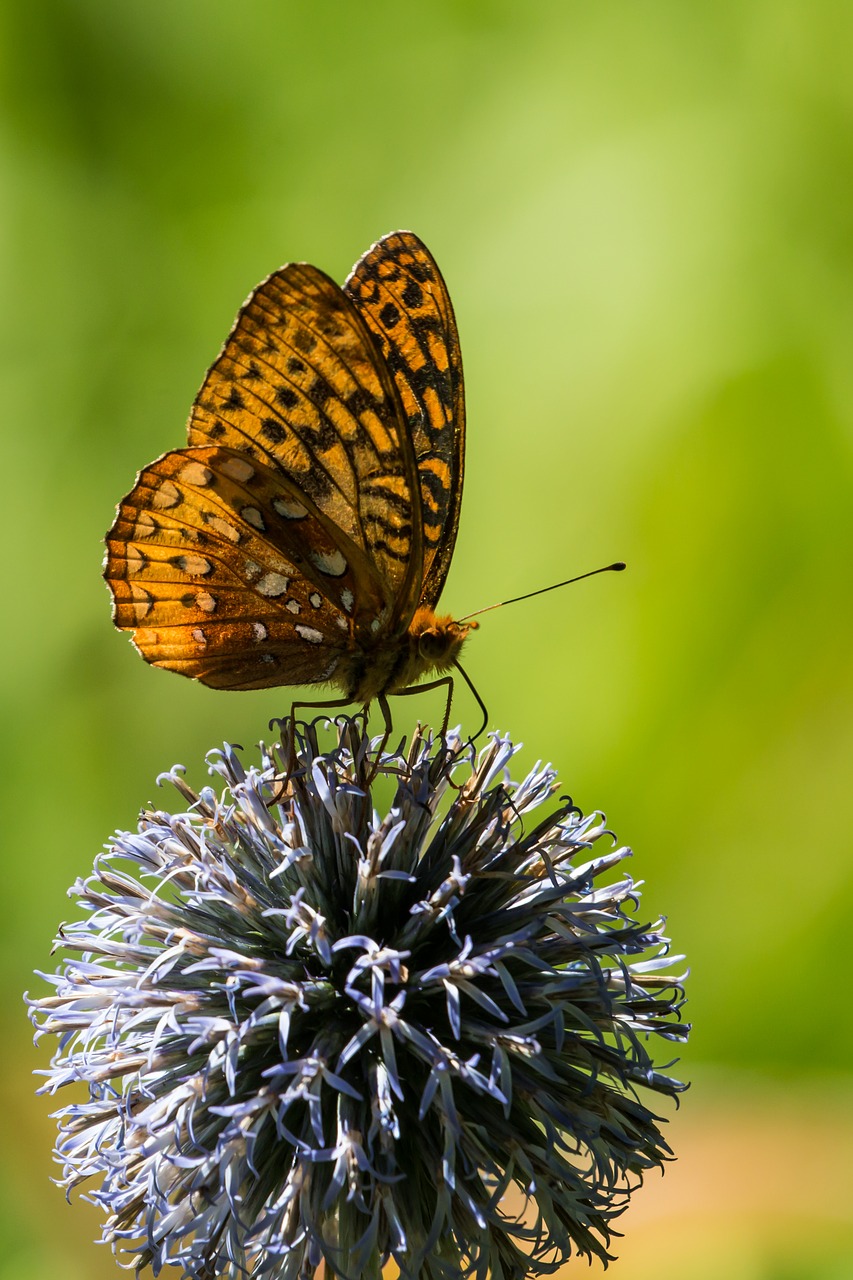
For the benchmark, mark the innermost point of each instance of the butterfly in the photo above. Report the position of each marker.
(304, 535)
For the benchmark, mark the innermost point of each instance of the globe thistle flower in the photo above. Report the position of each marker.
(313, 1032)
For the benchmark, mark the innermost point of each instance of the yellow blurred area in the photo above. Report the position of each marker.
(736, 1202)
(644, 212)
(759, 1188)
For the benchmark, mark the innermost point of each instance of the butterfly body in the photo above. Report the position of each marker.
(431, 646)
(305, 534)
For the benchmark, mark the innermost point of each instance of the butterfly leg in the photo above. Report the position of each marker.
(480, 703)
(445, 682)
(388, 726)
(388, 723)
(330, 704)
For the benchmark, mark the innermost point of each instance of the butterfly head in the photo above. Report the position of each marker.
(436, 641)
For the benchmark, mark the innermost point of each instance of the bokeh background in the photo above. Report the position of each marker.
(644, 210)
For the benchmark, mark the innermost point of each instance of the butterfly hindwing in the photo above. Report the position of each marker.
(223, 573)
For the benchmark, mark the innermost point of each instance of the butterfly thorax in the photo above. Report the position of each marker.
(432, 644)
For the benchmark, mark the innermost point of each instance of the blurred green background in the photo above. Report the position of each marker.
(644, 211)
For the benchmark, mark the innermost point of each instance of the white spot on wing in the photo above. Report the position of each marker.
(223, 528)
(331, 563)
(272, 584)
(142, 601)
(316, 599)
(146, 526)
(199, 636)
(309, 634)
(253, 517)
(260, 631)
(293, 605)
(197, 474)
(251, 568)
(195, 566)
(289, 508)
(205, 601)
(238, 469)
(347, 599)
(165, 495)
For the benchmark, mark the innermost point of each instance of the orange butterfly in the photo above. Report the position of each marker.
(305, 535)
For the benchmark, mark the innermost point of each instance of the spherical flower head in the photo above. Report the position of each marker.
(313, 1032)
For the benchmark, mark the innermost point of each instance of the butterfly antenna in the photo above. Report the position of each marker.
(607, 568)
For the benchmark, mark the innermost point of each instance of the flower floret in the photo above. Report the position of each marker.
(310, 1031)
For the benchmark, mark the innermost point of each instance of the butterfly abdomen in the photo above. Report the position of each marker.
(431, 645)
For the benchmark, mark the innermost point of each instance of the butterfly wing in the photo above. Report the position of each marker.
(227, 572)
(401, 295)
(317, 504)
(301, 386)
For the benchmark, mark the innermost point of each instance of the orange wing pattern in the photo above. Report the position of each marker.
(226, 572)
(401, 294)
(316, 507)
(300, 384)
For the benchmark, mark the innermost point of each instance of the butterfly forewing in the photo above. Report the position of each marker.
(401, 294)
(301, 385)
(316, 507)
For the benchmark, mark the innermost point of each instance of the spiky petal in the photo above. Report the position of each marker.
(310, 1032)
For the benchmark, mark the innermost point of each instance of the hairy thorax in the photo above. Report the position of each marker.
(432, 645)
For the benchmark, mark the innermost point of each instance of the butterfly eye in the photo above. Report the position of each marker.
(432, 645)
